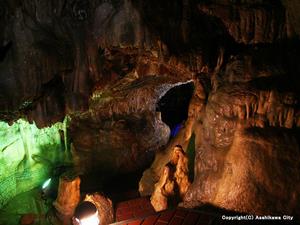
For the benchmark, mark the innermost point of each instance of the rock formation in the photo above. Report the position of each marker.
(122, 128)
(151, 175)
(163, 189)
(107, 64)
(68, 195)
(247, 152)
(181, 175)
(173, 182)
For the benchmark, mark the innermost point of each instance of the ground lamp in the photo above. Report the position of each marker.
(86, 213)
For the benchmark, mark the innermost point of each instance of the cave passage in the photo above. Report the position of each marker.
(174, 106)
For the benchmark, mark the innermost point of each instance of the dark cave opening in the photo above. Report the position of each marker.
(174, 106)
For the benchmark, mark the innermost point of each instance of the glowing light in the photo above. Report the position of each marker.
(90, 220)
(28, 155)
(46, 184)
(176, 130)
(86, 213)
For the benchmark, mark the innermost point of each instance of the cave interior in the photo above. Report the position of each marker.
(149, 112)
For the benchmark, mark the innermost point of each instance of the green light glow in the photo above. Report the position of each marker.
(46, 184)
(28, 155)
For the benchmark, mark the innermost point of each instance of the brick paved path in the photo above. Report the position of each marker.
(140, 212)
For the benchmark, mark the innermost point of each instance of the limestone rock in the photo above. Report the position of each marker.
(54, 54)
(151, 175)
(107, 63)
(163, 189)
(181, 175)
(251, 23)
(173, 182)
(122, 129)
(68, 195)
(246, 159)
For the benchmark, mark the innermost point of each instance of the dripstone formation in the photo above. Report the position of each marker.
(107, 64)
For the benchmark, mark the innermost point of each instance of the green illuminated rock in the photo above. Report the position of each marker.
(28, 155)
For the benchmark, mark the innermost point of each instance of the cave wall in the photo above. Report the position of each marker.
(122, 130)
(53, 53)
(29, 155)
(107, 63)
(248, 150)
(246, 140)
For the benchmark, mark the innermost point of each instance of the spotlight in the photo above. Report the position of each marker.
(86, 213)
(46, 183)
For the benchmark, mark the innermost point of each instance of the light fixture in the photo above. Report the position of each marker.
(46, 183)
(90, 220)
(86, 213)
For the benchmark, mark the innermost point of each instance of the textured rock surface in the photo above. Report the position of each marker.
(173, 182)
(163, 189)
(107, 63)
(152, 175)
(53, 53)
(68, 195)
(252, 24)
(122, 129)
(248, 148)
(29, 156)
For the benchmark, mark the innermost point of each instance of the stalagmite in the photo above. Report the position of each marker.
(181, 175)
(68, 194)
(174, 181)
(163, 189)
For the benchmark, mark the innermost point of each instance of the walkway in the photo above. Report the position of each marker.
(140, 212)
